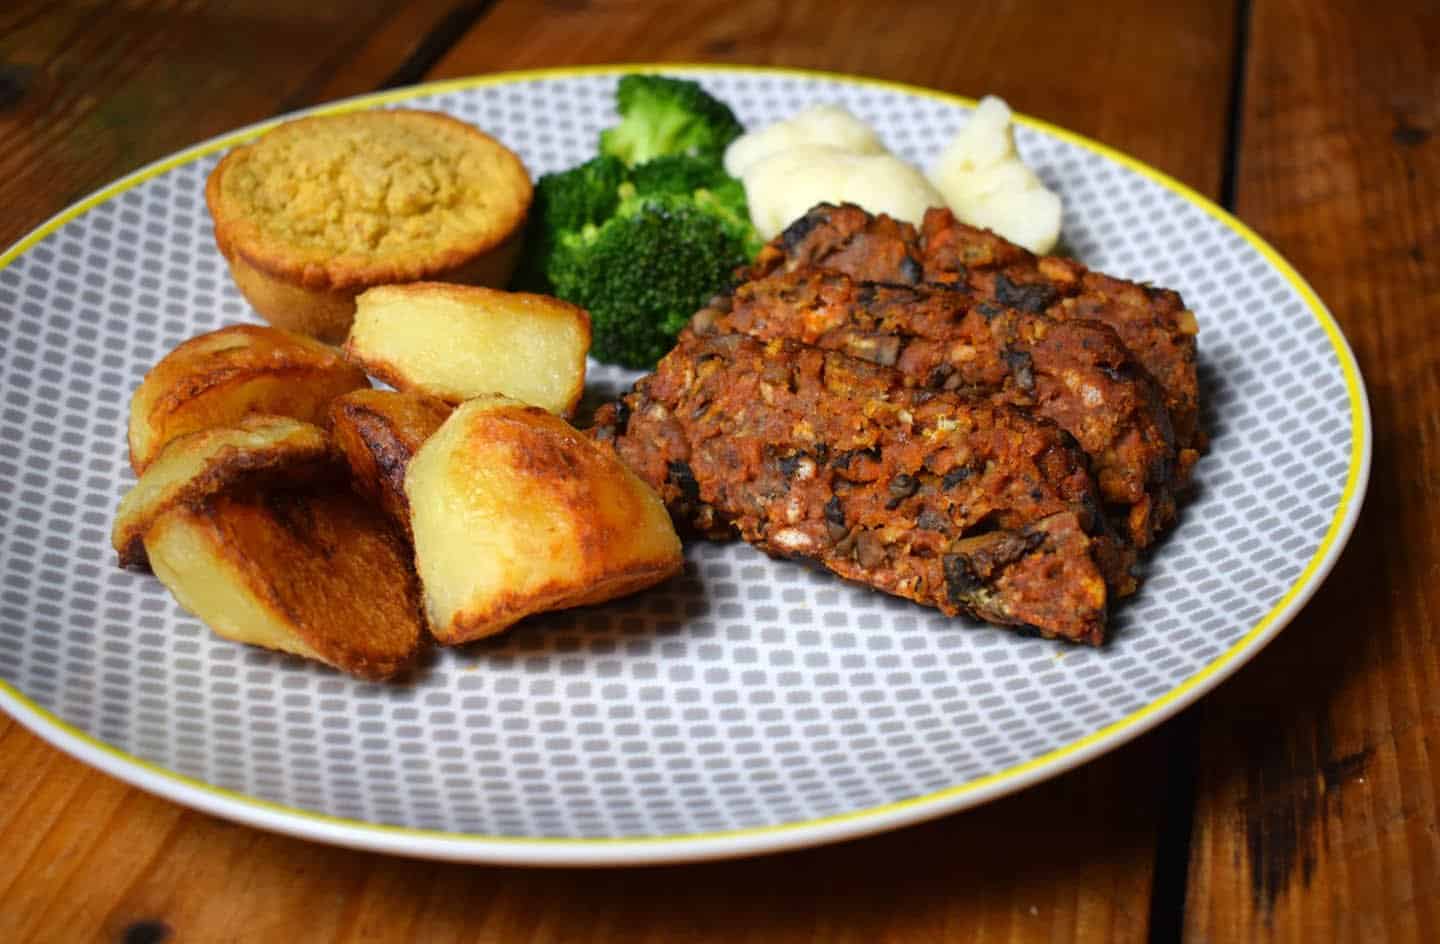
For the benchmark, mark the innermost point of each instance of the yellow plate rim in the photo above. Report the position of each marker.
(624, 851)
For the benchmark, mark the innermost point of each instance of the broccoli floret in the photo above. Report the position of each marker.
(678, 174)
(586, 193)
(660, 115)
(726, 199)
(703, 180)
(646, 233)
(643, 273)
(565, 202)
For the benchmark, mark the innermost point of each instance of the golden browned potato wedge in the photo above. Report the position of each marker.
(454, 342)
(378, 431)
(317, 572)
(515, 512)
(217, 378)
(200, 464)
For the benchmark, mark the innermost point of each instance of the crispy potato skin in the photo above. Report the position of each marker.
(317, 572)
(378, 432)
(515, 512)
(218, 378)
(197, 465)
(455, 342)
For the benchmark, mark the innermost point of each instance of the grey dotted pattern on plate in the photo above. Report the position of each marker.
(747, 692)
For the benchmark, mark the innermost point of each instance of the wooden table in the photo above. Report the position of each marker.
(1298, 802)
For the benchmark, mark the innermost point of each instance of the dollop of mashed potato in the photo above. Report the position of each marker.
(986, 184)
(824, 125)
(824, 155)
(784, 186)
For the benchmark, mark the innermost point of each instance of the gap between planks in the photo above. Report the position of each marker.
(1172, 848)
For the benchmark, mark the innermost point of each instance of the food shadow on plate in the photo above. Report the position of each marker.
(632, 625)
(300, 672)
(685, 604)
(602, 385)
(1213, 387)
(733, 606)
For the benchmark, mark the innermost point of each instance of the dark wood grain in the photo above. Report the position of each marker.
(1318, 805)
(1117, 75)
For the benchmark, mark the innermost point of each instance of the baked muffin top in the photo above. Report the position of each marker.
(344, 201)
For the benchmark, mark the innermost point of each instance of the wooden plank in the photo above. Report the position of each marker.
(92, 90)
(1118, 71)
(1071, 858)
(1318, 816)
(1042, 865)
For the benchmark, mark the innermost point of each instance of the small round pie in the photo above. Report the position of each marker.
(319, 209)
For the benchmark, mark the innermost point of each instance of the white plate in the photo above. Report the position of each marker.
(751, 705)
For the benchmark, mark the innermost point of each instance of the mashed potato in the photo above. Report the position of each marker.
(985, 182)
(825, 154)
(783, 187)
(824, 125)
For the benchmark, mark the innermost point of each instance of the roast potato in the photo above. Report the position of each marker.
(202, 463)
(316, 571)
(514, 512)
(378, 431)
(454, 342)
(220, 377)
